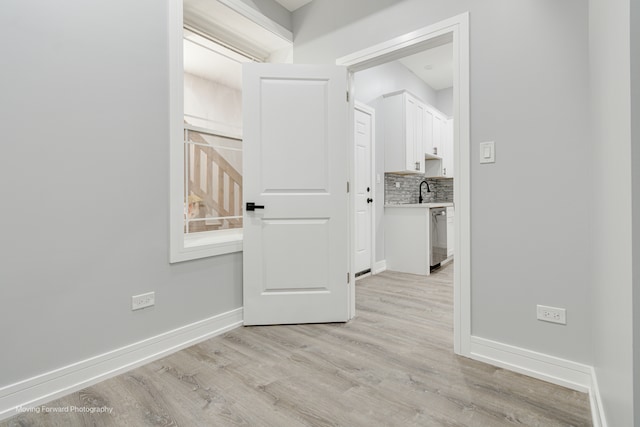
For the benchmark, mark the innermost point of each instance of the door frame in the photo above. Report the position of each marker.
(372, 172)
(455, 29)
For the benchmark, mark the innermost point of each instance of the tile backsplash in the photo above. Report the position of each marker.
(407, 192)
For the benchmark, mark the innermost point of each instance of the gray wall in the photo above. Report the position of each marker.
(374, 82)
(525, 250)
(370, 85)
(612, 238)
(444, 101)
(635, 162)
(84, 169)
(272, 10)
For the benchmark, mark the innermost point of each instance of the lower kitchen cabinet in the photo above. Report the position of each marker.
(407, 236)
(450, 231)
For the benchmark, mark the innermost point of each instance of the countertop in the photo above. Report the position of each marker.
(421, 205)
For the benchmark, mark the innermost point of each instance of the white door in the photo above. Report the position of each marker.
(363, 188)
(295, 250)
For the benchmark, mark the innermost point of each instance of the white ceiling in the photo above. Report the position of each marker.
(434, 66)
(292, 5)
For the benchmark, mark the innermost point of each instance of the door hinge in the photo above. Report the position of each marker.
(347, 186)
(347, 96)
(348, 278)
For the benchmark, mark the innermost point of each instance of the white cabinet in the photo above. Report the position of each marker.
(447, 148)
(407, 239)
(438, 132)
(450, 231)
(404, 133)
(413, 130)
(428, 130)
(438, 143)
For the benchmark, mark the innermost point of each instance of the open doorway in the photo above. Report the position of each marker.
(412, 162)
(453, 31)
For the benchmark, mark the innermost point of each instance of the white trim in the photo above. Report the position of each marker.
(176, 138)
(59, 382)
(457, 29)
(555, 370)
(566, 373)
(260, 19)
(182, 248)
(415, 41)
(351, 241)
(379, 267)
(595, 399)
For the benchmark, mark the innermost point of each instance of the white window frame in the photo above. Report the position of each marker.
(184, 247)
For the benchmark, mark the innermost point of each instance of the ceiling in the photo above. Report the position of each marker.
(434, 66)
(292, 5)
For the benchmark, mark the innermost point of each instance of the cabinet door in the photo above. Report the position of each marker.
(447, 139)
(450, 231)
(420, 135)
(428, 131)
(411, 111)
(437, 133)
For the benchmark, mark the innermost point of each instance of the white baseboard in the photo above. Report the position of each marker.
(597, 410)
(60, 382)
(379, 266)
(566, 373)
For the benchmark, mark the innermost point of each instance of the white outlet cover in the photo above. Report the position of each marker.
(143, 300)
(487, 152)
(552, 314)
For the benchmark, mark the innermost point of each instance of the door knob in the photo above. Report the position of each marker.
(252, 206)
(369, 200)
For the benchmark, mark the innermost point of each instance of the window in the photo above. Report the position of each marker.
(211, 149)
(205, 119)
(212, 137)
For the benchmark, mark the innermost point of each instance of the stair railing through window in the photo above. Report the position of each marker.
(213, 181)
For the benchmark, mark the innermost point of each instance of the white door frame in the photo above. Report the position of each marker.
(372, 172)
(454, 29)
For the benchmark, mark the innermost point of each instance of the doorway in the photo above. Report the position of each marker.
(455, 30)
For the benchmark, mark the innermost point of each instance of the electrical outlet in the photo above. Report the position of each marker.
(397, 184)
(552, 314)
(143, 300)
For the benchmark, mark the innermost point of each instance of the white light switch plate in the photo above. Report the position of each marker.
(487, 152)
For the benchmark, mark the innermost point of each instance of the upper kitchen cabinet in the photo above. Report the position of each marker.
(447, 148)
(404, 133)
(438, 143)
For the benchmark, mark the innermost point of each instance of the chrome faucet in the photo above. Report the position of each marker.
(420, 191)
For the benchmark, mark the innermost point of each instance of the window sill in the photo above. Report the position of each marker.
(207, 244)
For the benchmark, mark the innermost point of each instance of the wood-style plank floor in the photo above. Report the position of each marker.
(393, 365)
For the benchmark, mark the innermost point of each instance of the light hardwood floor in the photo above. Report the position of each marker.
(393, 365)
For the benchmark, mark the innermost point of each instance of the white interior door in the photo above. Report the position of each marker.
(363, 188)
(295, 250)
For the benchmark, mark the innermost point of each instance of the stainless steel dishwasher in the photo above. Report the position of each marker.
(438, 236)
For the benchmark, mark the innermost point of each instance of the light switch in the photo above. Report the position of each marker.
(487, 152)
